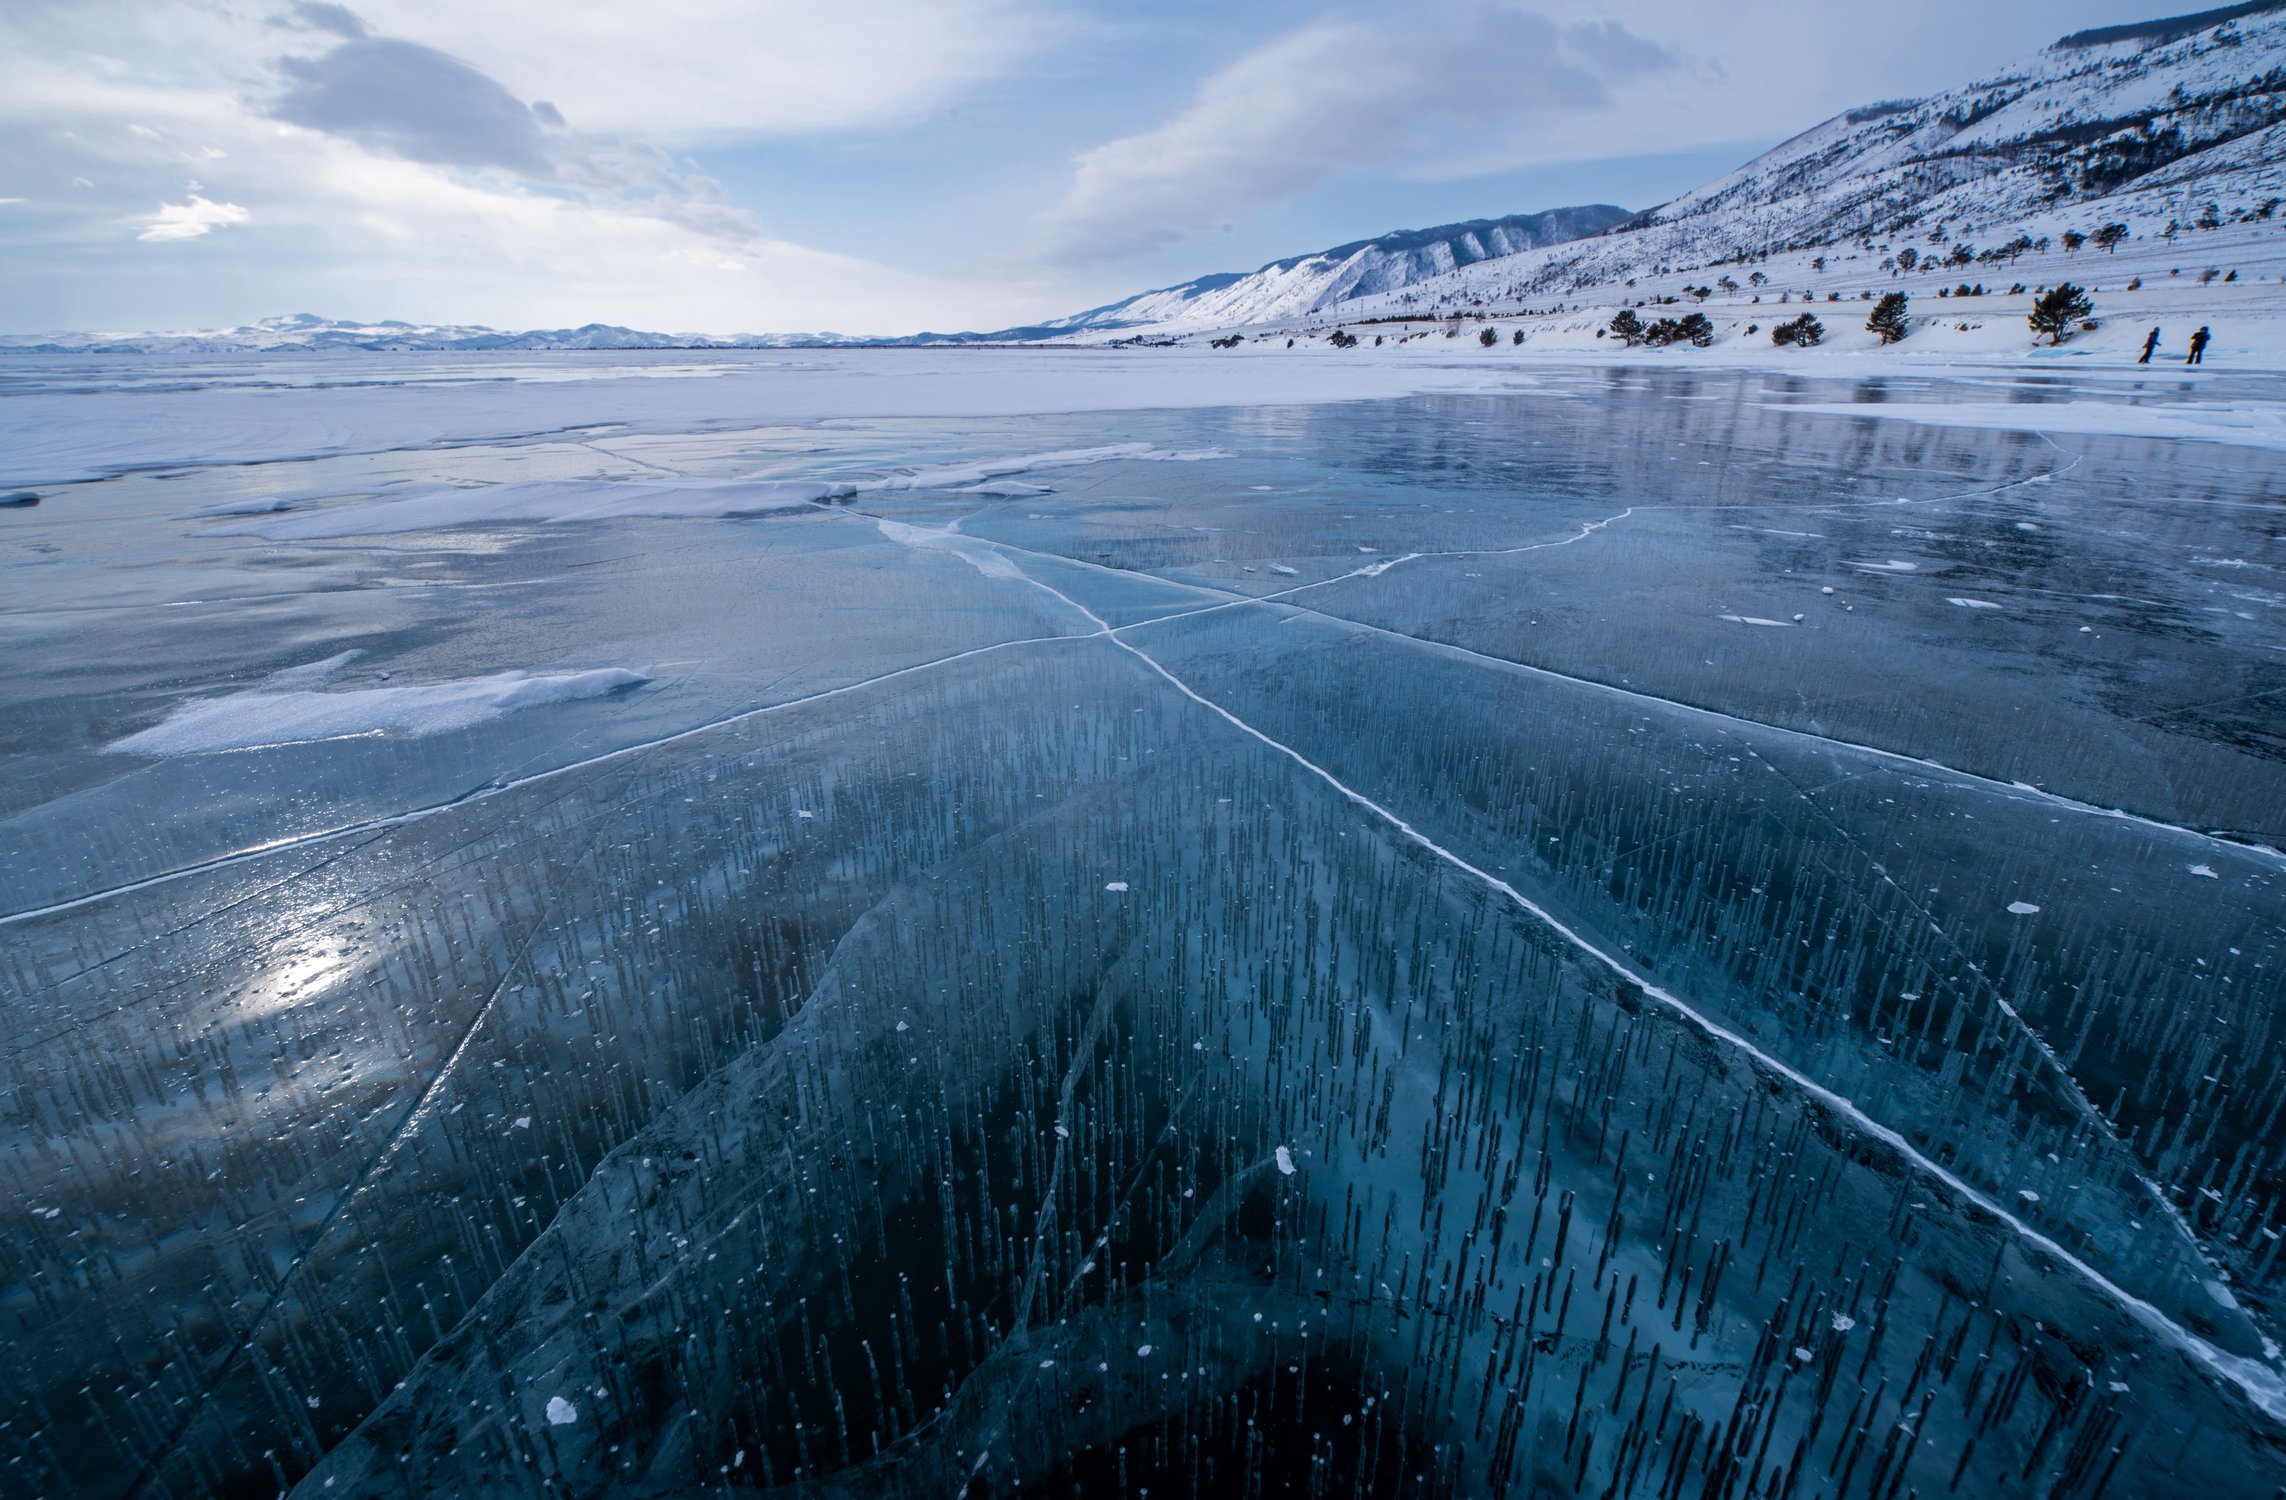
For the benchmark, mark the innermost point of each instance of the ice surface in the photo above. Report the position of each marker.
(1340, 965)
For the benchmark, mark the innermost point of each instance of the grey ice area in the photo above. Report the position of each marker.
(1630, 937)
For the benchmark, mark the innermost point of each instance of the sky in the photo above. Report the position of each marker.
(870, 166)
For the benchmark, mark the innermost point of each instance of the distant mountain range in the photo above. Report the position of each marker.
(2180, 121)
(306, 331)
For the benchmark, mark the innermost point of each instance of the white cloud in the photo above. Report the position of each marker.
(689, 70)
(187, 221)
(1331, 97)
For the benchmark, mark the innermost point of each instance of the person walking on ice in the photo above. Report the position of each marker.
(2150, 342)
(2198, 347)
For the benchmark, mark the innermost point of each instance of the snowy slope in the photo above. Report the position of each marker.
(2076, 122)
(2179, 122)
(1303, 284)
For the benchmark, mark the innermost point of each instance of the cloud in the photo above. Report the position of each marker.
(1332, 97)
(319, 16)
(407, 100)
(693, 71)
(412, 101)
(187, 221)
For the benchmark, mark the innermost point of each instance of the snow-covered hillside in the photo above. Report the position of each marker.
(308, 331)
(1304, 284)
(2173, 128)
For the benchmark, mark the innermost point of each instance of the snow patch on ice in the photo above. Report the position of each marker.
(287, 709)
(1756, 620)
(1971, 603)
(986, 559)
(2022, 908)
(1891, 566)
(561, 1413)
(1285, 1161)
(982, 556)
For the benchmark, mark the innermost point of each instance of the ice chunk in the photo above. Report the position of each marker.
(1285, 1161)
(561, 1413)
(2022, 908)
(2205, 872)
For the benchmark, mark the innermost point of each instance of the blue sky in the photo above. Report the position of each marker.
(876, 167)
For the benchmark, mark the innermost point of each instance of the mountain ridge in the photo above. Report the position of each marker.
(1314, 280)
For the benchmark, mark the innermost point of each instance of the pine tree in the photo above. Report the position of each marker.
(1888, 318)
(1697, 330)
(1805, 331)
(2057, 309)
(1627, 326)
(2107, 238)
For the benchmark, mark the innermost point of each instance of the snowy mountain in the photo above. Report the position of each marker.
(1303, 284)
(305, 331)
(2166, 127)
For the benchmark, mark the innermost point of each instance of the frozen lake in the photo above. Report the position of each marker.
(659, 923)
